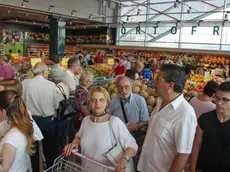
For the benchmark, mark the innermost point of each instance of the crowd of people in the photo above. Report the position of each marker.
(178, 132)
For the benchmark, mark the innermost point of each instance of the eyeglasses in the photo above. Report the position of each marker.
(125, 87)
(222, 101)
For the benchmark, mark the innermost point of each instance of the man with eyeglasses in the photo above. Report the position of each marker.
(211, 147)
(130, 108)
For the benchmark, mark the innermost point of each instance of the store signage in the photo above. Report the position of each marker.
(173, 30)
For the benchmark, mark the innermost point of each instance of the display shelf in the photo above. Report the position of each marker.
(38, 50)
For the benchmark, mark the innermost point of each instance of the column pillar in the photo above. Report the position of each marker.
(57, 37)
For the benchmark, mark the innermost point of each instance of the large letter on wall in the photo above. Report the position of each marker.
(216, 30)
(193, 29)
(174, 30)
(138, 30)
(123, 30)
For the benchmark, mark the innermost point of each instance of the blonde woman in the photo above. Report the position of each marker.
(95, 136)
(17, 144)
(81, 94)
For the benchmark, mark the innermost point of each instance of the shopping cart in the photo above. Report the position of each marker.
(62, 164)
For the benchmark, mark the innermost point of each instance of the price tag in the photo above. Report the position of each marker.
(33, 61)
(110, 61)
(64, 62)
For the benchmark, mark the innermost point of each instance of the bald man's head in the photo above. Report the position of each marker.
(41, 69)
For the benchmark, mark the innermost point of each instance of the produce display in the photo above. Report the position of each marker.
(148, 93)
(38, 50)
(99, 69)
(101, 39)
(196, 82)
(37, 36)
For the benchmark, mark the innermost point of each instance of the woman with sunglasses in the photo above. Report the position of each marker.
(17, 144)
(211, 148)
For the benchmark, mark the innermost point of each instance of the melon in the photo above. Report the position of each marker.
(106, 86)
(143, 94)
(111, 87)
(150, 108)
(137, 83)
(144, 87)
(154, 93)
(112, 82)
(115, 90)
(136, 89)
(151, 101)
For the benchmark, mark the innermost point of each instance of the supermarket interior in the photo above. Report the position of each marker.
(149, 51)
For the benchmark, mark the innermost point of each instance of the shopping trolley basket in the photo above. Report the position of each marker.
(62, 164)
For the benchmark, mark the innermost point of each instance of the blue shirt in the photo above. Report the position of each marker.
(87, 58)
(135, 109)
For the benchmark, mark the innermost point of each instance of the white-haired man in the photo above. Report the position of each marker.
(40, 97)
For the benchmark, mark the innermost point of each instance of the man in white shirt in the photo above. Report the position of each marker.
(40, 97)
(69, 78)
(172, 125)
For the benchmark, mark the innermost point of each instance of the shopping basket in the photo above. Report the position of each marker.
(62, 164)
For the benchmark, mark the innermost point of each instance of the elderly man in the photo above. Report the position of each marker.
(74, 68)
(129, 107)
(172, 125)
(40, 97)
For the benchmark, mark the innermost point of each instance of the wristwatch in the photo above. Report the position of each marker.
(126, 158)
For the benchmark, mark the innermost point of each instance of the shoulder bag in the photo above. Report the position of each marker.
(139, 135)
(67, 107)
(116, 152)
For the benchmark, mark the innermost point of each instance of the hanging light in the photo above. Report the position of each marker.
(90, 16)
(16, 20)
(176, 4)
(127, 19)
(189, 10)
(42, 26)
(138, 11)
(23, 5)
(226, 16)
(27, 14)
(9, 10)
(34, 22)
(72, 12)
(104, 3)
(84, 27)
(47, 17)
(50, 8)
(109, 25)
(96, 26)
(70, 22)
(120, 7)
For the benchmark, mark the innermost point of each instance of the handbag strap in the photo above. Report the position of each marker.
(123, 111)
(62, 91)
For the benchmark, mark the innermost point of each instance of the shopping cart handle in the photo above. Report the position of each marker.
(75, 152)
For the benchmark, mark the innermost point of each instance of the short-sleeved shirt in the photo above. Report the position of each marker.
(201, 107)
(69, 80)
(99, 59)
(215, 150)
(119, 70)
(171, 130)
(21, 162)
(135, 109)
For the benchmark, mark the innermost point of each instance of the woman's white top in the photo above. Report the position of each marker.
(22, 161)
(96, 140)
(5, 127)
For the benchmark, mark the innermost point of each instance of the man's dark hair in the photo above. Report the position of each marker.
(72, 61)
(176, 74)
(210, 88)
(131, 74)
(188, 69)
(225, 86)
